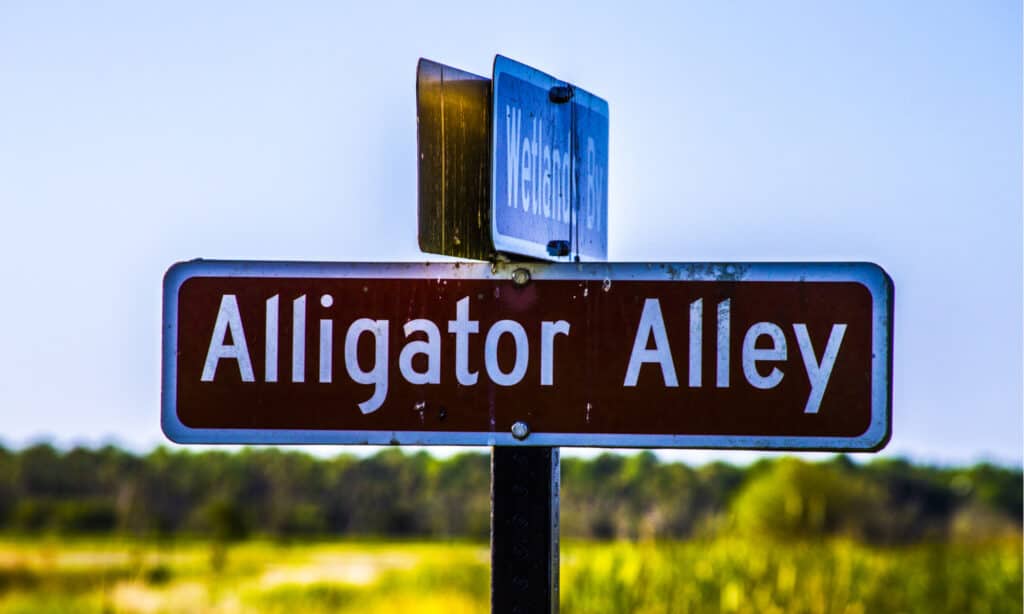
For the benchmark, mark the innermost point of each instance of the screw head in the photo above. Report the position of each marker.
(520, 430)
(560, 94)
(520, 277)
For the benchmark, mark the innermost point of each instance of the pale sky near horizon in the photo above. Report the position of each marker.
(134, 135)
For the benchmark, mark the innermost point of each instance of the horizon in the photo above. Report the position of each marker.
(690, 458)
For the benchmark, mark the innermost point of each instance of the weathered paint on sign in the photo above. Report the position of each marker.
(453, 133)
(792, 356)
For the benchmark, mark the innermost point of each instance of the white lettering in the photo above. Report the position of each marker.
(566, 185)
(696, 341)
(752, 354)
(722, 375)
(556, 185)
(513, 117)
(299, 339)
(546, 184)
(228, 320)
(463, 327)
(651, 322)
(535, 165)
(818, 373)
(548, 330)
(378, 374)
(270, 344)
(525, 176)
(544, 180)
(431, 348)
(326, 332)
(522, 352)
(326, 342)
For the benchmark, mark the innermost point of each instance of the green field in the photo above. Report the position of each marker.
(722, 575)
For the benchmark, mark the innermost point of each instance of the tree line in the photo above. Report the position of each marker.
(287, 495)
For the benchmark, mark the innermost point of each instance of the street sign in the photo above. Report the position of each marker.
(763, 356)
(549, 166)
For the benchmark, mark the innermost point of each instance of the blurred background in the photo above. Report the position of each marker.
(135, 135)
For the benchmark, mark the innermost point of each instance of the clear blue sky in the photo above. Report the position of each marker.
(134, 135)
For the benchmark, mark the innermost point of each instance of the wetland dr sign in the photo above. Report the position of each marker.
(763, 356)
(550, 166)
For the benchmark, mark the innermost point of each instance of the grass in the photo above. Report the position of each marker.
(727, 574)
(841, 576)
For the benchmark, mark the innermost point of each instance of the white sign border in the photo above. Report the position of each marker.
(870, 275)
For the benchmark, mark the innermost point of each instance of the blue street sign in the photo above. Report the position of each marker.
(549, 187)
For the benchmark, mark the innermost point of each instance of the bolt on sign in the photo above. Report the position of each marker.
(516, 164)
(698, 355)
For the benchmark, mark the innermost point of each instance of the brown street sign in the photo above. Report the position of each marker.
(687, 355)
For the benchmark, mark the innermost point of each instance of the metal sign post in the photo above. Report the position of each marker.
(544, 145)
(549, 201)
(524, 529)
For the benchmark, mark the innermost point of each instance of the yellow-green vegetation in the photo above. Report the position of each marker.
(835, 576)
(123, 576)
(726, 574)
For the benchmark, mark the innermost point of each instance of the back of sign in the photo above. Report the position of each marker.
(453, 112)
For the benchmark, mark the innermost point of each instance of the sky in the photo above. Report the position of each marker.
(134, 135)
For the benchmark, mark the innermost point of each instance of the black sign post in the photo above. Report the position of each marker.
(454, 121)
(524, 529)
